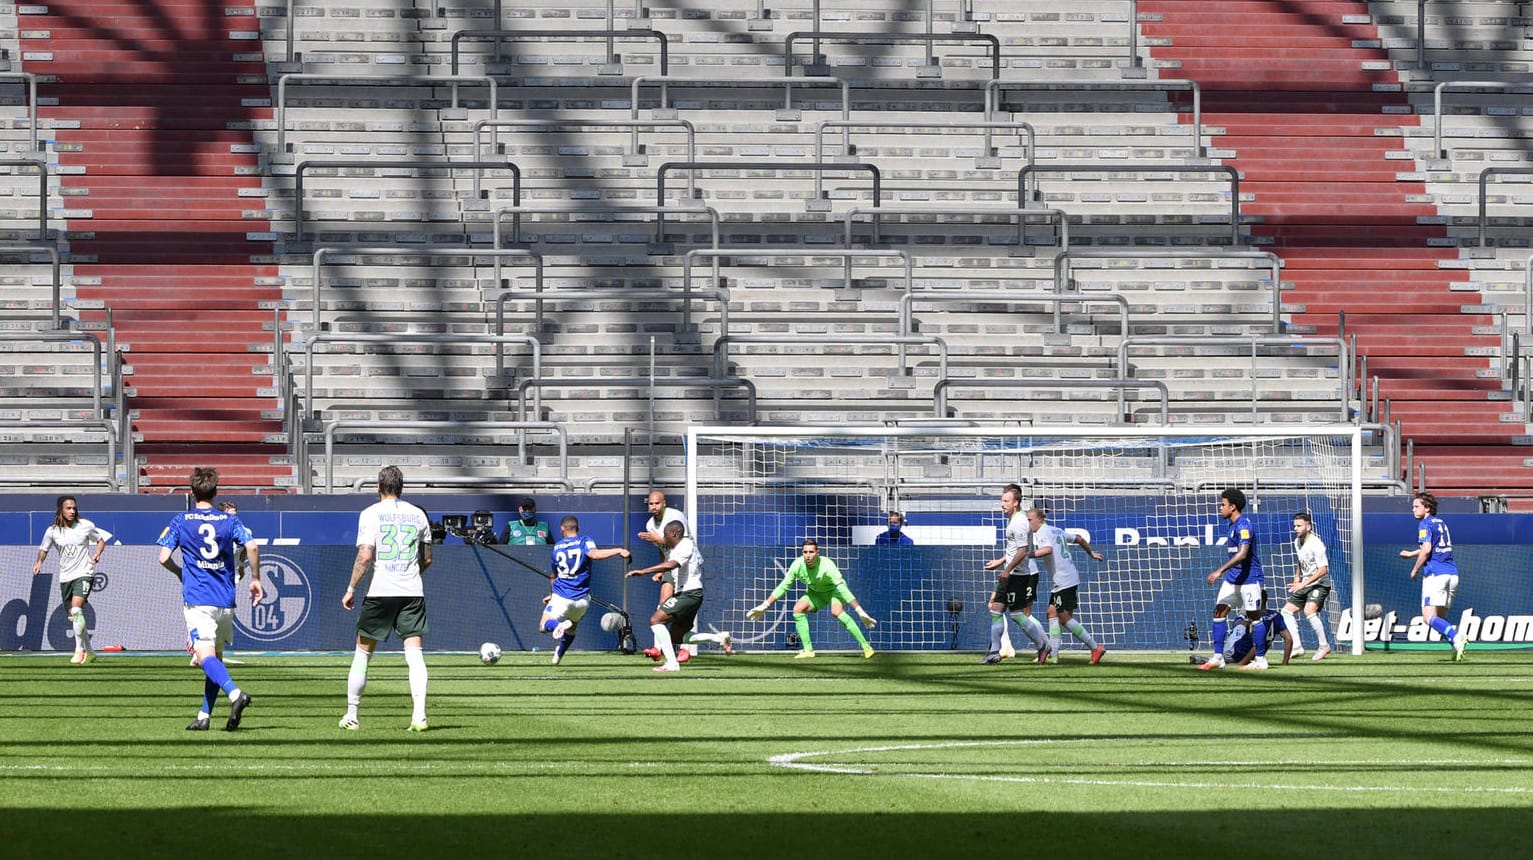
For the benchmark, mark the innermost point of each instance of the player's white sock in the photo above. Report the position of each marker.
(1319, 627)
(1293, 627)
(1079, 632)
(415, 658)
(997, 633)
(356, 680)
(82, 634)
(1032, 628)
(1054, 635)
(663, 642)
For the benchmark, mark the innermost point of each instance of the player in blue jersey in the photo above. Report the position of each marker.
(1439, 575)
(569, 592)
(1244, 650)
(209, 541)
(1242, 575)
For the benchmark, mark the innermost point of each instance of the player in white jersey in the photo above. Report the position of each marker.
(1310, 587)
(661, 515)
(394, 539)
(73, 537)
(1014, 592)
(1051, 555)
(675, 614)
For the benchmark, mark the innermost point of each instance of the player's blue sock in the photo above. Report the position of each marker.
(209, 697)
(997, 626)
(1259, 637)
(1442, 626)
(564, 644)
(214, 669)
(549, 624)
(1221, 630)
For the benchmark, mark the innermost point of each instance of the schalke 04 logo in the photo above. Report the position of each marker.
(284, 605)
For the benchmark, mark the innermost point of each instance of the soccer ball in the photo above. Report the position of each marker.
(612, 622)
(489, 653)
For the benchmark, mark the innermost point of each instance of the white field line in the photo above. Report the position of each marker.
(797, 761)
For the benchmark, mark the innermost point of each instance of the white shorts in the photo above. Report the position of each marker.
(1246, 597)
(565, 609)
(209, 624)
(1439, 590)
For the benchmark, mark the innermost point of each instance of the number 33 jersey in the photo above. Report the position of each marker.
(395, 530)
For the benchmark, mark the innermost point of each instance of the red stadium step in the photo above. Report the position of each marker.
(1287, 89)
(157, 161)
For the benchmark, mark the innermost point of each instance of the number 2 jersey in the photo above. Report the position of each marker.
(1249, 570)
(208, 540)
(1058, 564)
(394, 529)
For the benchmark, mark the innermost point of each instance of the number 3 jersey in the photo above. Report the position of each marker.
(208, 540)
(394, 529)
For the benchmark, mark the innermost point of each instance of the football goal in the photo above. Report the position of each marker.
(1146, 498)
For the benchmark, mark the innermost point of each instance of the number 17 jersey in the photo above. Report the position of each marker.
(394, 529)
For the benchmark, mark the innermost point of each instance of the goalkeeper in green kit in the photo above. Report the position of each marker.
(826, 585)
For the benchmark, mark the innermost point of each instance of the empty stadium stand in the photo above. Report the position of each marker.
(490, 239)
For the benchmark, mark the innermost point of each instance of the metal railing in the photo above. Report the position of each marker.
(1485, 175)
(1008, 297)
(368, 80)
(816, 167)
(1058, 216)
(28, 83)
(1252, 343)
(649, 382)
(721, 344)
(939, 391)
(966, 14)
(500, 36)
(634, 158)
(1064, 277)
(97, 413)
(1421, 30)
(499, 340)
(42, 190)
(993, 95)
(58, 278)
(787, 83)
(538, 298)
(846, 126)
(36, 425)
(320, 255)
(1446, 86)
(1527, 294)
(602, 209)
(478, 167)
(846, 256)
(1026, 194)
(437, 427)
(927, 39)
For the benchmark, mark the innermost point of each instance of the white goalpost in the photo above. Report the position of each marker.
(1145, 497)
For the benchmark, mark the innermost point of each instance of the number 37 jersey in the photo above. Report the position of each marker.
(395, 530)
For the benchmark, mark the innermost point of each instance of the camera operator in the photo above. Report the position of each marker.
(527, 530)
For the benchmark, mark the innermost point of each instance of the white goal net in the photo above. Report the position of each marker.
(1146, 499)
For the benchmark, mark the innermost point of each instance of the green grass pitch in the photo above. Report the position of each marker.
(757, 755)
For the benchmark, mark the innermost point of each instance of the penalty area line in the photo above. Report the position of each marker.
(797, 761)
